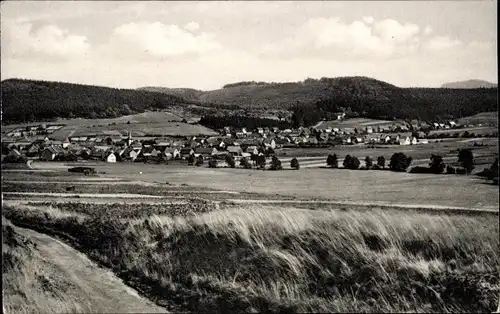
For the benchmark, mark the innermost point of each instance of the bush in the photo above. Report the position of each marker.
(230, 161)
(294, 164)
(466, 159)
(245, 163)
(351, 162)
(275, 164)
(400, 162)
(212, 163)
(381, 162)
(368, 163)
(450, 170)
(437, 164)
(199, 161)
(332, 161)
(191, 160)
(260, 161)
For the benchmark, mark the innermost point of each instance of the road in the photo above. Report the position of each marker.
(106, 292)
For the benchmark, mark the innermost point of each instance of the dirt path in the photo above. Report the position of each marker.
(107, 292)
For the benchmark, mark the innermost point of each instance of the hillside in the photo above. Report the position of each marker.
(190, 94)
(470, 84)
(366, 97)
(28, 100)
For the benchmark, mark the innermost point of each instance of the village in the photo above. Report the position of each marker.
(35, 142)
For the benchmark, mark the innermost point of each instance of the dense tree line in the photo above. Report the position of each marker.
(240, 121)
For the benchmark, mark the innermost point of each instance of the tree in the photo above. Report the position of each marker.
(494, 169)
(466, 158)
(199, 161)
(368, 163)
(399, 162)
(332, 161)
(260, 161)
(212, 163)
(190, 159)
(381, 162)
(294, 164)
(450, 170)
(351, 162)
(245, 163)
(275, 164)
(437, 165)
(230, 161)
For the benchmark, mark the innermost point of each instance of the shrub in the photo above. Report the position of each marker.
(437, 164)
(245, 163)
(460, 170)
(332, 161)
(466, 159)
(399, 162)
(199, 161)
(260, 161)
(275, 164)
(381, 162)
(368, 163)
(230, 161)
(212, 163)
(494, 169)
(450, 170)
(351, 162)
(191, 159)
(294, 164)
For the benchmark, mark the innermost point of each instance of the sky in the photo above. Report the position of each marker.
(204, 45)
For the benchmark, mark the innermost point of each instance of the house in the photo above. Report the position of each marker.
(235, 150)
(435, 125)
(275, 129)
(359, 139)
(328, 130)
(66, 143)
(244, 130)
(269, 143)
(413, 141)
(172, 153)
(110, 157)
(185, 152)
(405, 141)
(340, 115)
(452, 124)
(130, 153)
(148, 152)
(136, 145)
(313, 141)
(260, 130)
(206, 151)
(50, 153)
(227, 130)
(442, 125)
(369, 130)
(423, 141)
(287, 131)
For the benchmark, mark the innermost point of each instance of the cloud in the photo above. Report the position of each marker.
(159, 40)
(368, 19)
(192, 26)
(428, 30)
(333, 38)
(20, 40)
(442, 43)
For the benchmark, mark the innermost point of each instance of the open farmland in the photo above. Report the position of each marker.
(355, 123)
(263, 252)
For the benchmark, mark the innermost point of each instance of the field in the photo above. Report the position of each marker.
(233, 240)
(157, 123)
(360, 123)
(485, 118)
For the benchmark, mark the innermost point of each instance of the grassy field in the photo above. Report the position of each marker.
(359, 123)
(485, 118)
(223, 252)
(293, 260)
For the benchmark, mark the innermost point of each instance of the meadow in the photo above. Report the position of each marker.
(235, 240)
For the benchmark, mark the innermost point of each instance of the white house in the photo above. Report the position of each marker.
(423, 141)
(369, 130)
(413, 141)
(111, 157)
(405, 141)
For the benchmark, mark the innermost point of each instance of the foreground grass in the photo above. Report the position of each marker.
(283, 259)
(29, 284)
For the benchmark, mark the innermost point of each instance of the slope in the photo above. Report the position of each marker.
(470, 84)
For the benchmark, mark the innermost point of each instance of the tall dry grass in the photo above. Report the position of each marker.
(262, 258)
(29, 284)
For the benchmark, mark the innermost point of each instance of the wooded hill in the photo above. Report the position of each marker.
(366, 96)
(29, 100)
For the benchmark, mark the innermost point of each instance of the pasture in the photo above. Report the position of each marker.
(205, 249)
(359, 123)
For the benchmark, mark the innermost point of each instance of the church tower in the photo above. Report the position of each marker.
(129, 139)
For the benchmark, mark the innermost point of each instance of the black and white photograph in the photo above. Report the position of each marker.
(249, 157)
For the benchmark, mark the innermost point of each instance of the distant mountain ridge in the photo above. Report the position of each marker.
(470, 84)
